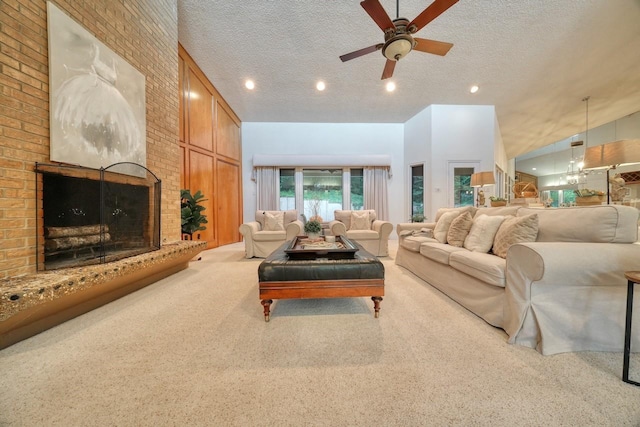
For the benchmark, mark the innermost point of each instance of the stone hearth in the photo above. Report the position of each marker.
(32, 303)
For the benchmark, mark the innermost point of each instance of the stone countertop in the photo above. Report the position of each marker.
(20, 293)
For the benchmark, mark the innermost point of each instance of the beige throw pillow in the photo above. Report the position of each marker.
(442, 226)
(515, 230)
(360, 220)
(459, 229)
(482, 233)
(274, 221)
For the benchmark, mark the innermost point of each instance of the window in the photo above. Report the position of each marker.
(500, 183)
(287, 189)
(417, 190)
(559, 198)
(462, 190)
(319, 192)
(357, 189)
(322, 193)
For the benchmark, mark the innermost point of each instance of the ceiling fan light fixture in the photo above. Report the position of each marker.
(398, 47)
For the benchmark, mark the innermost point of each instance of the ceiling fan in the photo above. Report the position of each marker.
(398, 34)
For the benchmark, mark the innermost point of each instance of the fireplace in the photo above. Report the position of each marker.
(90, 216)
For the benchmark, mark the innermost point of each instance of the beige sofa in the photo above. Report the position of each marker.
(260, 239)
(563, 292)
(374, 238)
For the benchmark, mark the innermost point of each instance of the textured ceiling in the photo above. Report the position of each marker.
(533, 59)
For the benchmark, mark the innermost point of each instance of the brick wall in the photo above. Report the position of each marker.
(143, 32)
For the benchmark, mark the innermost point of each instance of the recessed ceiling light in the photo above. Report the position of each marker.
(320, 85)
(534, 169)
(474, 89)
(249, 84)
(391, 86)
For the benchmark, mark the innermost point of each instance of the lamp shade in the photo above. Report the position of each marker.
(612, 154)
(482, 178)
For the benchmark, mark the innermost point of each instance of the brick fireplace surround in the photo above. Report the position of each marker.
(145, 33)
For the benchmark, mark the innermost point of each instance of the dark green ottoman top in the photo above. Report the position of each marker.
(277, 267)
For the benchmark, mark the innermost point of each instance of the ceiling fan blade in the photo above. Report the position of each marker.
(388, 69)
(378, 14)
(434, 10)
(432, 46)
(358, 53)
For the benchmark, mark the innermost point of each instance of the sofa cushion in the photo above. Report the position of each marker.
(274, 221)
(459, 229)
(442, 226)
(269, 236)
(363, 235)
(595, 224)
(344, 216)
(413, 242)
(483, 231)
(471, 209)
(486, 267)
(501, 210)
(438, 252)
(289, 216)
(515, 229)
(360, 220)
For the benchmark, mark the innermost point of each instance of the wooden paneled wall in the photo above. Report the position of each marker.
(210, 147)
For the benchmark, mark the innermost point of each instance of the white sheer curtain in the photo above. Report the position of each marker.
(375, 191)
(267, 188)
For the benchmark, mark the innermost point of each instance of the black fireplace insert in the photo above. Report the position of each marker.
(91, 216)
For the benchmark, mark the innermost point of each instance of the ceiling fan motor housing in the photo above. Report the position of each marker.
(398, 42)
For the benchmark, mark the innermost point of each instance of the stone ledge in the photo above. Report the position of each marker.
(30, 304)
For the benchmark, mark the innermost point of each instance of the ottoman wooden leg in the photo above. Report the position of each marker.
(376, 305)
(267, 308)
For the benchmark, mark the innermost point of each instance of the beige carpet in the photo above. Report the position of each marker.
(193, 349)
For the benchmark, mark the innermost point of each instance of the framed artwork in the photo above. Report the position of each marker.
(97, 99)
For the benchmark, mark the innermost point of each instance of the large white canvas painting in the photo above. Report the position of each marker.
(97, 99)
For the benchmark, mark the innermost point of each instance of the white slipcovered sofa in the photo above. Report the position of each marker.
(270, 230)
(565, 291)
(366, 229)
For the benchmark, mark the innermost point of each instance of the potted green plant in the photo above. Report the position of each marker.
(312, 228)
(191, 212)
(498, 201)
(418, 217)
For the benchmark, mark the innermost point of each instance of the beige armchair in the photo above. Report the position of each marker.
(363, 227)
(270, 230)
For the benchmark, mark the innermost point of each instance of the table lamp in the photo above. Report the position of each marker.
(481, 179)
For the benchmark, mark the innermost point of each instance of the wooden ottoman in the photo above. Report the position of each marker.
(283, 278)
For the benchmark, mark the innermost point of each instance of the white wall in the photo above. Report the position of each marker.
(436, 136)
(417, 150)
(326, 139)
(450, 133)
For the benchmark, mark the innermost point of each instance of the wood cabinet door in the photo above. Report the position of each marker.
(229, 202)
(200, 101)
(200, 178)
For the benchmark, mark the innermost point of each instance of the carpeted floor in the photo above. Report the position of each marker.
(194, 349)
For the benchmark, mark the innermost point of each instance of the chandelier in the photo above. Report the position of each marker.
(575, 170)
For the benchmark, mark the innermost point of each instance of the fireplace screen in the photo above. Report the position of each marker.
(91, 216)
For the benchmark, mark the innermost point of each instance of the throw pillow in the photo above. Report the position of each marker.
(482, 233)
(274, 221)
(515, 230)
(459, 229)
(360, 220)
(443, 224)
